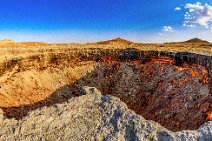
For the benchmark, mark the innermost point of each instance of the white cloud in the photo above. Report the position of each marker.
(189, 25)
(198, 14)
(160, 34)
(177, 9)
(168, 29)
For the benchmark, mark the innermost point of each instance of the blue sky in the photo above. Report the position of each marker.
(94, 20)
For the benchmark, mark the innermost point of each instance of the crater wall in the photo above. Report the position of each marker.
(94, 54)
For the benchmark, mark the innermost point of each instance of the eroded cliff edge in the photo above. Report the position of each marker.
(49, 58)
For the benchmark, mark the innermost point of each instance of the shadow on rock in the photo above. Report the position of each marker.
(148, 89)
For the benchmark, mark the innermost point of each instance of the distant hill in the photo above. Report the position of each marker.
(6, 41)
(115, 41)
(33, 43)
(196, 40)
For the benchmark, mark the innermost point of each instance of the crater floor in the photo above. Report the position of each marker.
(177, 97)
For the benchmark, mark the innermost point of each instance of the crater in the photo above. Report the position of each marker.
(169, 89)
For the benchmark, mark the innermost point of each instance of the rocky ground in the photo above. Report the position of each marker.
(92, 116)
(41, 95)
(177, 97)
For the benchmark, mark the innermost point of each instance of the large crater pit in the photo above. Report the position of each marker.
(176, 96)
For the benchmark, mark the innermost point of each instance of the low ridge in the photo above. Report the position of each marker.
(5, 41)
(116, 41)
(196, 40)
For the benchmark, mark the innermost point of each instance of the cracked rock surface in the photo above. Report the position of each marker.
(92, 116)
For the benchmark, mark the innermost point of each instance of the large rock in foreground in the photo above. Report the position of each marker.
(92, 117)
